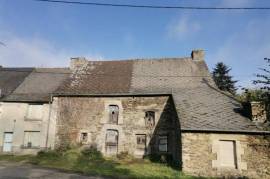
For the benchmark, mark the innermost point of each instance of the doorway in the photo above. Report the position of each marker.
(8, 138)
(111, 142)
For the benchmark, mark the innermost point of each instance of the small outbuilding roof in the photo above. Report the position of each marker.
(37, 85)
(11, 78)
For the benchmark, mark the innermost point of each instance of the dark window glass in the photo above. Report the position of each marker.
(141, 140)
(150, 118)
(84, 137)
(113, 114)
(163, 143)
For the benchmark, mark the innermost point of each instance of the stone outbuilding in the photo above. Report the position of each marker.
(163, 107)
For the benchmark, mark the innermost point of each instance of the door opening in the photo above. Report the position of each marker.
(8, 138)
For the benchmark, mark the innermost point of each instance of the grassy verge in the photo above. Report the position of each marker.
(15, 158)
(91, 162)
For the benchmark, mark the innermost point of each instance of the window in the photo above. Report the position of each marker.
(84, 137)
(149, 118)
(113, 114)
(141, 144)
(163, 143)
(34, 111)
(227, 153)
(111, 141)
(141, 141)
(31, 139)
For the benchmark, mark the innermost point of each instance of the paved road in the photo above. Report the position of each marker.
(23, 171)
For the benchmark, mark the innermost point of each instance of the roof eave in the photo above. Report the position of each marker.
(224, 131)
(108, 94)
(26, 101)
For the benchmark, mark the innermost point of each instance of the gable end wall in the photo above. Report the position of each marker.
(200, 155)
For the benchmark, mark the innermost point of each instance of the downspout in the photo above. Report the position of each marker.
(49, 120)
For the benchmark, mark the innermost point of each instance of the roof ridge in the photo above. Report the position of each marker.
(138, 59)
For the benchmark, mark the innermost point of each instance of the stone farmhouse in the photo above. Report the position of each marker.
(168, 107)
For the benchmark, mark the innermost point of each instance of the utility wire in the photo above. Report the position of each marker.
(153, 6)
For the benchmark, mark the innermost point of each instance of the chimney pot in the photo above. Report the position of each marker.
(77, 62)
(197, 54)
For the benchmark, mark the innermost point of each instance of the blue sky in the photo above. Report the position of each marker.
(45, 34)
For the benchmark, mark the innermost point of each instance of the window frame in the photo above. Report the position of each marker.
(30, 108)
(31, 146)
(82, 139)
(141, 143)
(162, 137)
(111, 119)
(148, 116)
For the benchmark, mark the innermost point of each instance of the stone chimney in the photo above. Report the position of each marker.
(258, 112)
(76, 63)
(197, 55)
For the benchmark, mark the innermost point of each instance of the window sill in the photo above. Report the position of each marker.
(24, 147)
(29, 119)
(226, 169)
(84, 143)
(164, 152)
(113, 123)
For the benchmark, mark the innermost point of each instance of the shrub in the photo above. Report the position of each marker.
(123, 155)
(46, 156)
(63, 148)
(161, 158)
(92, 154)
(49, 154)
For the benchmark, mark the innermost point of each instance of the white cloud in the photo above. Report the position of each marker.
(34, 52)
(182, 28)
(245, 50)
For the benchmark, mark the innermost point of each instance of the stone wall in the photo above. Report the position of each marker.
(90, 115)
(201, 155)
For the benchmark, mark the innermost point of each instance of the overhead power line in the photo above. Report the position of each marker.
(153, 6)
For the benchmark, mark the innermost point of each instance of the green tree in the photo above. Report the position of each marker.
(264, 79)
(249, 95)
(222, 78)
(246, 97)
(264, 82)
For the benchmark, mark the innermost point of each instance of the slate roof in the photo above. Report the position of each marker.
(100, 78)
(11, 78)
(38, 85)
(199, 104)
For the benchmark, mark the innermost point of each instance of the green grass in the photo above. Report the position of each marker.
(16, 158)
(95, 164)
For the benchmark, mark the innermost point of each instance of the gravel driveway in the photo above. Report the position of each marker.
(22, 171)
